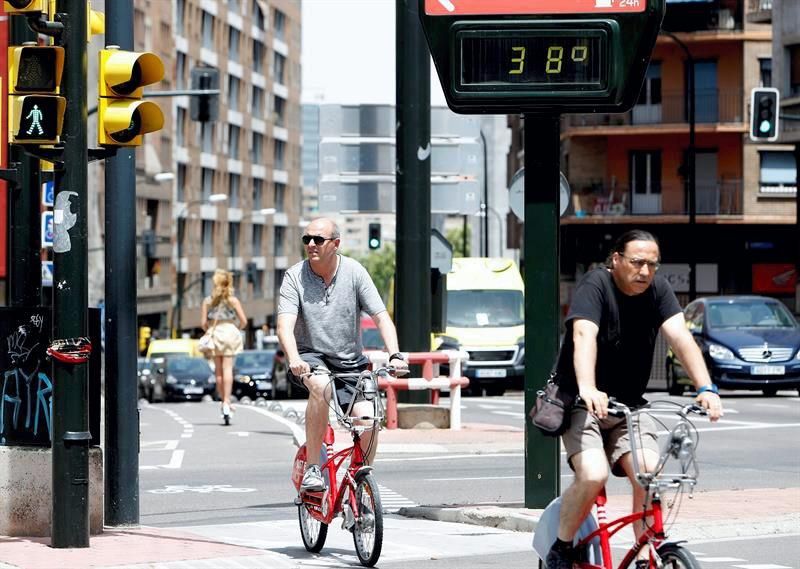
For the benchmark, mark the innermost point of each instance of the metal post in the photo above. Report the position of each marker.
(178, 308)
(542, 143)
(413, 175)
(464, 239)
(485, 205)
(121, 501)
(70, 295)
(797, 228)
(24, 238)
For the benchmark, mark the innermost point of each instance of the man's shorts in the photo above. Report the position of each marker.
(344, 386)
(610, 435)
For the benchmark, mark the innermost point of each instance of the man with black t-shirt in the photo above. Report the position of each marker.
(612, 324)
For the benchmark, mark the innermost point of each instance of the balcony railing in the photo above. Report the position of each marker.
(704, 16)
(712, 107)
(720, 197)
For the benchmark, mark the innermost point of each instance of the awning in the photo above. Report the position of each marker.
(778, 168)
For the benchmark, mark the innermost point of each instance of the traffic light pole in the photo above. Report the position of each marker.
(121, 501)
(24, 236)
(413, 182)
(71, 437)
(542, 144)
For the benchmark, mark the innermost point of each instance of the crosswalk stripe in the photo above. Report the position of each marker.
(392, 501)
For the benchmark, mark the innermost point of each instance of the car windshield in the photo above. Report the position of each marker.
(188, 365)
(749, 314)
(263, 360)
(485, 308)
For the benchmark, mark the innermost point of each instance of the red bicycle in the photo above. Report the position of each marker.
(351, 492)
(677, 452)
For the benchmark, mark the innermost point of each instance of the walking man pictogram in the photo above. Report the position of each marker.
(37, 116)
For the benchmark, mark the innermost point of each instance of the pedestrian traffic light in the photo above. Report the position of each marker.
(252, 272)
(25, 6)
(764, 112)
(149, 246)
(204, 107)
(374, 236)
(144, 337)
(122, 116)
(35, 110)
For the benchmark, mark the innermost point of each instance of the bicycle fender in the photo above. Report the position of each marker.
(363, 471)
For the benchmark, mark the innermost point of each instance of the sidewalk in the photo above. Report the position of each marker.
(710, 515)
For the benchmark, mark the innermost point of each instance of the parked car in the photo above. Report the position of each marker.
(152, 381)
(370, 335)
(255, 374)
(173, 347)
(188, 378)
(748, 342)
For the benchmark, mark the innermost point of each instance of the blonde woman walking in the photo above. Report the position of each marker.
(220, 313)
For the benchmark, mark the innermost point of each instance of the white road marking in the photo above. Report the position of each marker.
(298, 432)
(240, 433)
(760, 566)
(450, 457)
(474, 478)
(510, 414)
(176, 460)
(720, 559)
(392, 501)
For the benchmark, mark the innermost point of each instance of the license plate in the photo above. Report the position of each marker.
(192, 390)
(490, 373)
(263, 385)
(768, 370)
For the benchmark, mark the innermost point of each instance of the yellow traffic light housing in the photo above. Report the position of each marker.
(25, 6)
(35, 110)
(122, 116)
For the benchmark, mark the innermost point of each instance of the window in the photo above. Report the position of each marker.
(778, 173)
(258, 193)
(208, 238)
(278, 68)
(257, 148)
(207, 30)
(180, 71)
(651, 89)
(233, 141)
(233, 43)
(233, 238)
(257, 103)
(180, 127)
(207, 283)
(207, 181)
(181, 182)
(794, 70)
(258, 15)
(280, 24)
(646, 172)
(233, 5)
(258, 286)
(279, 155)
(279, 110)
(765, 72)
(233, 93)
(234, 181)
(280, 190)
(280, 233)
(207, 136)
(258, 234)
(258, 56)
(180, 10)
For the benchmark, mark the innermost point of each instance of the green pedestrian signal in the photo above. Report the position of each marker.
(764, 114)
(374, 236)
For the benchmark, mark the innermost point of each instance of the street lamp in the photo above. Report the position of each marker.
(178, 308)
(482, 213)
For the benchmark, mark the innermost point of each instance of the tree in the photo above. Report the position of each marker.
(380, 264)
(455, 235)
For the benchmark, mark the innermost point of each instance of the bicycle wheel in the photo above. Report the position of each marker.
(368, 528)
(674, 556)
(312, 530)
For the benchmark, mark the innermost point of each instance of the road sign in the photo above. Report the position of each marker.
(47, 273)
(47, 229)
(512, 56)
(441, 252)
(48, 193)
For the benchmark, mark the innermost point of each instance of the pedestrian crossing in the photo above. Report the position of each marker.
(392, 501)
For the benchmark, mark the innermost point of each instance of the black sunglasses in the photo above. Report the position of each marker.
(318, 239)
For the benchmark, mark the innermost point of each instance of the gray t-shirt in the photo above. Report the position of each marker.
(328, 318)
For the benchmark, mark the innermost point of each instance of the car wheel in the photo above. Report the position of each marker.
(673, 387)
(770, 391)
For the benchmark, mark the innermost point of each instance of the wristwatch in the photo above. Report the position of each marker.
(397, 356)
(712, 388)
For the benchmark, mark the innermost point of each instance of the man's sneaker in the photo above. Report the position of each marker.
(312, 480)
(557, 559)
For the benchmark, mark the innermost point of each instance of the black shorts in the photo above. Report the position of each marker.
(344, 386)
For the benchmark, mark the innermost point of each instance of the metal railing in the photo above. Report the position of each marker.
(706, 16)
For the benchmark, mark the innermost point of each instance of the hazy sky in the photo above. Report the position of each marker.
(348, 53)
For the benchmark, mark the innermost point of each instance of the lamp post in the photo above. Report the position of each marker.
(485, 194)
(482, 213)
(178, 308)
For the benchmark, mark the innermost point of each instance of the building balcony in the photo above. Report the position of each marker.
(602, 203)
(712, 107)
(708, 16)
(760, 11)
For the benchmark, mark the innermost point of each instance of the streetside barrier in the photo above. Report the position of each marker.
(430, 362)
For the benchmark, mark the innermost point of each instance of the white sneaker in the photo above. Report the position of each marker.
(226, 413)
(312, 480)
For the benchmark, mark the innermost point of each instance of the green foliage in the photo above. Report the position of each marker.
(455, 235)
(380, 265)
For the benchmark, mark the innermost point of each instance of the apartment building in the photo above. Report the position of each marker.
(222, 194)
(632, 170)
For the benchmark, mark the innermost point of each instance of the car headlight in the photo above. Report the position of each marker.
(211, 379)
(719, 352)
(242, 378)
(171, 379)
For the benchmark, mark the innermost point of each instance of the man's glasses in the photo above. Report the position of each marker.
(318, 239)
(640, 263)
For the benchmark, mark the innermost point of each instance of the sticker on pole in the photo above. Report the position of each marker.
(47, 273)
(47, 229)
(48, 193)
(520, 7)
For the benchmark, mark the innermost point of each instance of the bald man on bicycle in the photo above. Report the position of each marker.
(319, 315)
(615, 316)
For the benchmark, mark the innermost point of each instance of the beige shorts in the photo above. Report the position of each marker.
(227, 339)
(610, 435)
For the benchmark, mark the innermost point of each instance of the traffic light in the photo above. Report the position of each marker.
(25, 6)
(35, 110)
(252, 272)
(374, 236)
(204, 108)
(149, 243)
(122, 116)
(764, 111)
(144, 337)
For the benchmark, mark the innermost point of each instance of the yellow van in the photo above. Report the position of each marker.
(486, 318)
(176, 347)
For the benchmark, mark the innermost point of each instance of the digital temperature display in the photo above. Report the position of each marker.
(533, 59)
